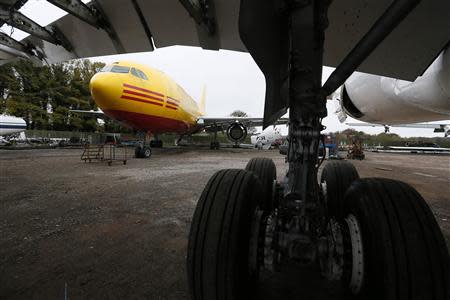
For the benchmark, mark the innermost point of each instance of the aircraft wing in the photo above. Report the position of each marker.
(214, 122)
(107, 27)
(412, 125)
(445, 128)
(88, 112)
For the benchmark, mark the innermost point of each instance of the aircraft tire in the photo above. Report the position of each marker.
(219, 238)
(146, 152)
(266, 171)
(402, 252)
(338, 176)
(138, 152)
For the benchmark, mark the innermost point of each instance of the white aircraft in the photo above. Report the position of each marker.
(376, 236)
(435, 149)
(391, 102)
(437, 128)
(11, 125)
(267, 138)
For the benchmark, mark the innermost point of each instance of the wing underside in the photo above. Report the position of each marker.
(223, 122)
(137, 25)
(107, 27)
(412, 125)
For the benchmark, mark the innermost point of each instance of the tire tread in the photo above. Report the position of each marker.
(406, 254)
(217, 235)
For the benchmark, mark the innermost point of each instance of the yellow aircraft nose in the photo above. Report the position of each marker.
(99, 89)
(106, 89)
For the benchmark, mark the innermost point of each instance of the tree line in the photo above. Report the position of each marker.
(386, 139)
(44, 95)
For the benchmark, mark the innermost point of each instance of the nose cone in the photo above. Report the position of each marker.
(99, 89)
(106, 89)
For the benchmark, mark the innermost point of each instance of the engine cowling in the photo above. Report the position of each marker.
(383, 100)
(236, 132)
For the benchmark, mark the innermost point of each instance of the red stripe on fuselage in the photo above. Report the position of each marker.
(150, 123)
(142, 95)
(142, 89)
(171, 107)
(172, 103)
(176, 100)
(140, 100)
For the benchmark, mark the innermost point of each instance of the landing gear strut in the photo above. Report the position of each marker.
(377, 237)
(215, 144)
(143, 149)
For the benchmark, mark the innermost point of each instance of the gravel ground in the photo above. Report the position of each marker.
(120, 231)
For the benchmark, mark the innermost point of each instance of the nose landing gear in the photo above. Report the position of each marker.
(144, 148)
(142, 151)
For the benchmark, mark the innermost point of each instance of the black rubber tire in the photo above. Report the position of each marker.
(146, 152)
(266, 171)
(218, 249)
(138, 152)
(338, 176)
(405, 254)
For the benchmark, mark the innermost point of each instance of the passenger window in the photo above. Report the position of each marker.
(120, 69)
(143, 76)
(134, 72)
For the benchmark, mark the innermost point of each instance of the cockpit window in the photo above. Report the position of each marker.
(106, 68)
(134, 72)
(120, 69)
(142, 74)
(139, 73)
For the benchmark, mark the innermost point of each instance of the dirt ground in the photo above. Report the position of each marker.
(95, 231)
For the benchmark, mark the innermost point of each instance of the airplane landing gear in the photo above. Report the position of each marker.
(265, 170)
(143, 149)
(222, 257)
(215, 144)
(389, 245)
(377, 237)
(385, 243)
(336, 178)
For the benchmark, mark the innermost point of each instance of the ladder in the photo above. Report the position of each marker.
(93, 152)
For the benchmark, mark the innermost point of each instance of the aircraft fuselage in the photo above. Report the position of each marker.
(144, 99)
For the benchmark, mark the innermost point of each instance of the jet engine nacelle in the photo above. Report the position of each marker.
(236, 132)
(383, 100)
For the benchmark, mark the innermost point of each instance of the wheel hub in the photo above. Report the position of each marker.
(271, 256)
(357, 270)
(331, 252)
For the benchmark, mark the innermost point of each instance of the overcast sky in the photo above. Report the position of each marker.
(232, 79)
